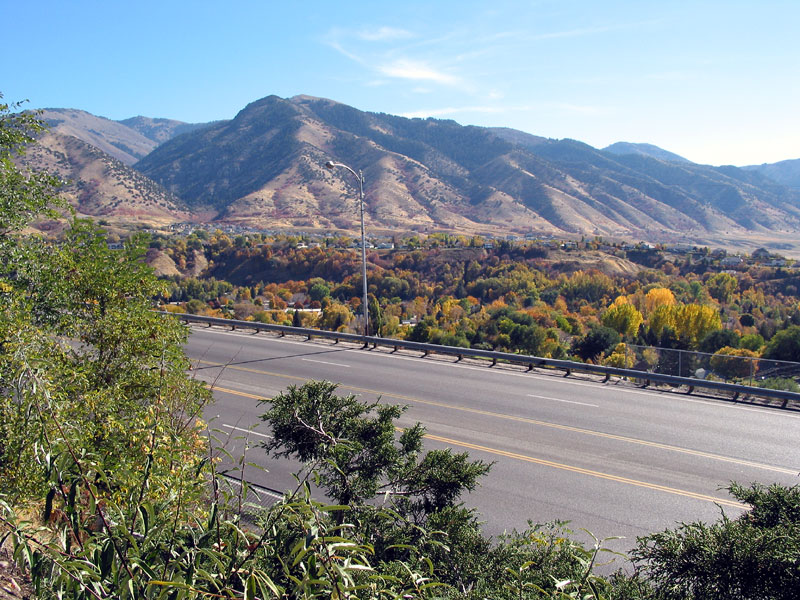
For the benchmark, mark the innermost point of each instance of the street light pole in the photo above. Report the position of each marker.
(360, 176)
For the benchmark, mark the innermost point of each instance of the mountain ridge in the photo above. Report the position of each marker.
(265, 169)
(459, 177)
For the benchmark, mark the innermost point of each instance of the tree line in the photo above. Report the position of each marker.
(511, 299)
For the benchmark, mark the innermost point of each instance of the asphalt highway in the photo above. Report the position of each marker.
(611, 458)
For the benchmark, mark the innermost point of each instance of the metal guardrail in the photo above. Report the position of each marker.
(531, 362)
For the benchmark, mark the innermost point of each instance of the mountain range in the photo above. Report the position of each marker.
(265, 168)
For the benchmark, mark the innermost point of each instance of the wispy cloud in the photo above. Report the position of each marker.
(343, 51)
(384, 34)
(417, 71)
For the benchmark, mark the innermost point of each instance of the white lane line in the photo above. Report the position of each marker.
(324, 362)
(562, 400)
(264, 435)
(655, 395)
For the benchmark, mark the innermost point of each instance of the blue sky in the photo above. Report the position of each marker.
(715, 81)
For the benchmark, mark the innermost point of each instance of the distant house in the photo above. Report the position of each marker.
(731, 261)
(298, 299)
(115, 245)
(760, 254)
(777, 262)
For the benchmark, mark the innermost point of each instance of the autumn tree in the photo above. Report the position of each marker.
(733, 363)
(335, 316)
(722, 286)
(623, 318)
(662, 317)
(693, 322)
(657, 297)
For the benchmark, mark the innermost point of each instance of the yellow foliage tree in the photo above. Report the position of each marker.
(694, 321)
(662, 316)
(658, 297)
(620, 358)
(335, 316)
(623, 318)
(733, 363)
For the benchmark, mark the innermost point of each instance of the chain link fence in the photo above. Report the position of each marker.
(734, 369)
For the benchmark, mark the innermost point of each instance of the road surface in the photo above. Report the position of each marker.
(613, 458)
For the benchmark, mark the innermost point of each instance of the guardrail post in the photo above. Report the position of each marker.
(460, 357)
(282, 333)
(607, 377)
(426, 354)
(233, 327)
(494, 362)
(735, 396)
(530, 366)
(396, 348)
(567, 372)
(690, 390)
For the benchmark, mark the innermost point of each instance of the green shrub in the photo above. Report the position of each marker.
(780, 383)
(751, 557)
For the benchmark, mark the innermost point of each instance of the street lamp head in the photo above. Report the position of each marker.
(329, 165)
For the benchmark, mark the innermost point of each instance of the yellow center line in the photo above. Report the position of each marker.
(238, 393)
(600, 474)
(549, 463)
(487, 413)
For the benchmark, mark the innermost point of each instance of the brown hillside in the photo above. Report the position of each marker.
(101, 186)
